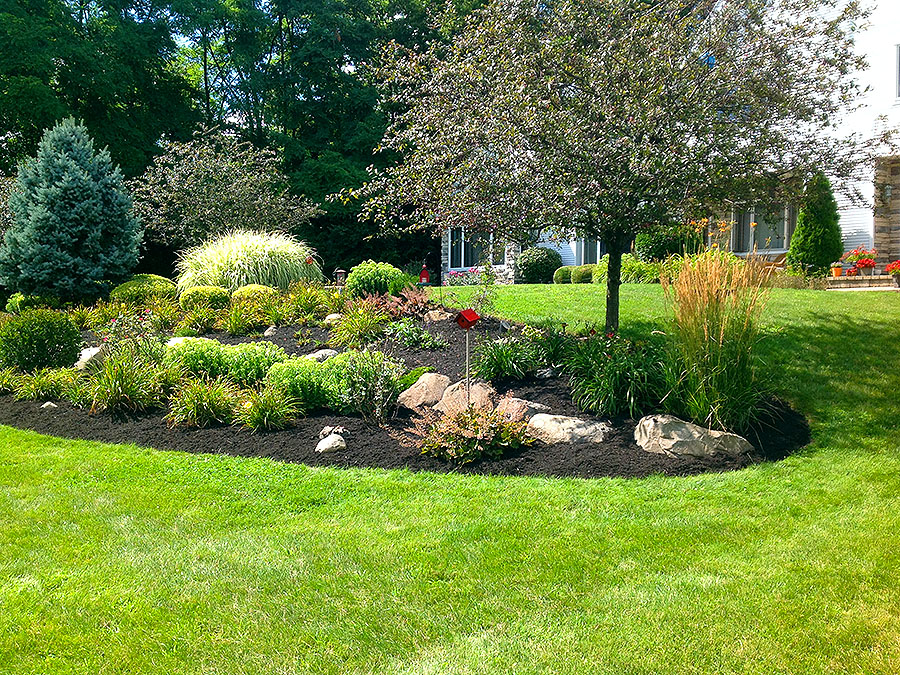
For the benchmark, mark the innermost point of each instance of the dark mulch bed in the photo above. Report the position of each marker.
(782, 432)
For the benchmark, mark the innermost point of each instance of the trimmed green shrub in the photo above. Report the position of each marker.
(73, 225)
(214, 297)
(246, 364)
(375, 278)
(300, 379)
(39, 338)
(563, 275)
(613, 376)
(141, 288)
(816, 242)
(199, 356)
(242, 258)
(254, 292)
(583, 274)
(537, 265)
(268, 409)
(201, 402)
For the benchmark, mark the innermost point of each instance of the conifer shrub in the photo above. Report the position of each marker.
(816, 242)
(39, 338)
(537, 265)
(142, 288)
(72, 221)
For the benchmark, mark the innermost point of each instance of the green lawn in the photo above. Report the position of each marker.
(120, 559)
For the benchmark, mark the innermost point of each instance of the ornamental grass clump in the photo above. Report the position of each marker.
(242, 257)
(506, 357)
(363, 322)
(268, 409)
(713, 370)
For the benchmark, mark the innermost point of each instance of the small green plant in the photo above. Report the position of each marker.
(104, 312)
(505, 357)
(551, 342)
(243, 257)
(201, 402)
(375, 278)
(409, 333)
(198, 321)
(9, 380)
(370, 385)
(142, 288)
(47, 384)
(164, 314)
(268, 409)
(537, 265)
(363, 322)
(244, 317)
(246, 364)
(81, 316)
(124, 382)
(611, 376)
(206, 297)
(470, 435)
(305, 301)
(38, 338)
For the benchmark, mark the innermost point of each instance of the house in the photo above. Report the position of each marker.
(768, 229)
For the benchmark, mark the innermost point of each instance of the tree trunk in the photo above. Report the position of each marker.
(613, 282)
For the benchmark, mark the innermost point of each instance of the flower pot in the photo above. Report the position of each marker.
(837, 271)
(867, 271)
(896, 278)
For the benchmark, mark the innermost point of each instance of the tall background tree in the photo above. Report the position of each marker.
(72, 220)
(603, 117)
(816, 242)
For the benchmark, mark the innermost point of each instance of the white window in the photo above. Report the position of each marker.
(467, 252)
(763, 228)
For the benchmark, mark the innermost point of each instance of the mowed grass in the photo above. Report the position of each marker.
(119, 559)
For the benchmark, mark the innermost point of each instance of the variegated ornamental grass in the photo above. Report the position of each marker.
(243, 257)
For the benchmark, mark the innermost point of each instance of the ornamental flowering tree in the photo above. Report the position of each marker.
(602, 117)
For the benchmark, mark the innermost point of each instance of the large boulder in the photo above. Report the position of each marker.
(321, 355)
(519, 410)
(427, 391)
(564, 429)
(453, 401)
(668, 435)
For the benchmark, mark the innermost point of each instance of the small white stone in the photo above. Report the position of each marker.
(327, 431)
(332, 443)
(49, 404)
(332, 319)
(87, 355)
(270, 331)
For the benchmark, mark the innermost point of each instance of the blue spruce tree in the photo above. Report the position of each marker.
(73, 224)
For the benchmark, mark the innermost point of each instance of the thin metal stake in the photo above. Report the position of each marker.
(467, 368)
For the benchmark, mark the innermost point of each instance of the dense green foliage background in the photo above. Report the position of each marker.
(290, 76)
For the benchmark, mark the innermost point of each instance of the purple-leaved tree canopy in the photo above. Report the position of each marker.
(602, 117)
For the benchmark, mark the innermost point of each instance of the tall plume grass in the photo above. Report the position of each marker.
(243, 257)
(714, 373)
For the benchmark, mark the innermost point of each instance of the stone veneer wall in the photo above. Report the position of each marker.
(887, 214)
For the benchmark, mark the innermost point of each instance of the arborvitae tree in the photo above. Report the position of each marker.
(816, 242)
(73, 224)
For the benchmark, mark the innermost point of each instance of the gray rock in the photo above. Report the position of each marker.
(332, 443)
(270, 331)
(87, 356)
(321, 355)
(520, 410)
(175, 341)
(564, 429)
(668, 435)
(436, 315)
(332, 319)
(327, 431)
(453, 400)
(49, 404)
(427, 391)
